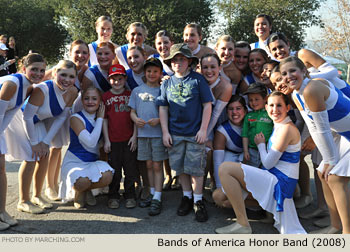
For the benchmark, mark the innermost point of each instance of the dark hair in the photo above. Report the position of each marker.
(242, 44)
(214, 55)
(267, 17)
(165, 33)
(139, 48)
(240, 99)
(196, 26)
(272, 62)
(278, 93)
(276, 69)
(262, 52)
(78, 42)
(32, 58)
(277, 36)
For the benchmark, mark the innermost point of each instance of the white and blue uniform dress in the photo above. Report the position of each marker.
(14, 104)
(53, 106)
(262, 45)
(92, 50)
(166, 69)
(62, 137)
(81, 160)
(274, 188)
(133, 79)
(99, 78)
(121, 55)
(234, 145)
(338, 110)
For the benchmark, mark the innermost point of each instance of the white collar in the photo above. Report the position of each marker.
(226, 65)
(285, 121)
(303, 85)
(90, 117)
(195, 51)
(212, 86)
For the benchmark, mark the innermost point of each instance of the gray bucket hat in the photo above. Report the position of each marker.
(256, 88)
(183, 49)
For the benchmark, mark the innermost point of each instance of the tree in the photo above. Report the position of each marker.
(289, 17)
(79, 16)
(34, 26)
(336, 31)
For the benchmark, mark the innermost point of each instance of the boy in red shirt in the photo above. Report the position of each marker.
(120, 138)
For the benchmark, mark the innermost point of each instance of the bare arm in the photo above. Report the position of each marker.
(201, 135)
(163, 116)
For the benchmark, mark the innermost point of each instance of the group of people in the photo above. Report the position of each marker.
(248, 114)
(8, 55)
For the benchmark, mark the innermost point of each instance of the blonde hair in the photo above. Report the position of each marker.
(138, 24)
(65, 64)
(226, 38)
(102, 19)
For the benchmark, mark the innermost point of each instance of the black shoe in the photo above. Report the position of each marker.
(146, 202)
(156, 207)
(185, 206)
(200, 211)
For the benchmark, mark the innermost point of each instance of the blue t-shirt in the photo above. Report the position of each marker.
(143, 100)
(185, 98)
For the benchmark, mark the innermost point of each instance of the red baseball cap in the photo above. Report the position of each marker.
(116, 69)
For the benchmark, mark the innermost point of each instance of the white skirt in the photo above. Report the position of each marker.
(342, 168)
(3, 148)
(62, 136)
(18, 145)
(73, 168)
(261, 184)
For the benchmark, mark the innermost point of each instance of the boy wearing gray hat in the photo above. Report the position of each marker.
(185, 110)
(255, 122)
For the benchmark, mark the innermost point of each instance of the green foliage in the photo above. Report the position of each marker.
(33, 24)
(289, 17)
(79, 16)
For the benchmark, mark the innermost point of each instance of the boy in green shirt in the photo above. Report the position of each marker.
(255, 122)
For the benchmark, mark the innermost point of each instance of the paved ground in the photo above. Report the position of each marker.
(65, 219)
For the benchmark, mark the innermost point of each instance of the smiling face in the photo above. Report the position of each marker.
(35, 72)
(262, 28)
(277, 108)
(256, 62)
(236, 113)
(256, 101)
(292, 75)
(225, 51)
(279, 49)
(64, 78)
(80, 55)
(135, 36)
(191, 37)
(105, 57)
(104, 31)
(163, 45)
(91, 100)
(241, 58)
(266, 73)
(153, 75)
(210, 69)
(135, 60)
(277, 81)
(117, 82)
